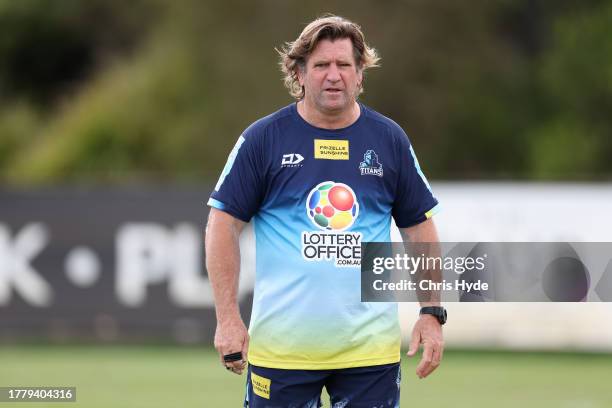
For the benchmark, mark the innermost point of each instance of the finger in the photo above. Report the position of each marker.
(435, 360)
(245, 348)
(239, 365)
(236, 365)
(219, 351)
(414, 344)
(235, 370)
(241, 368)
(223, 349)
(425, 359)
(221, 359)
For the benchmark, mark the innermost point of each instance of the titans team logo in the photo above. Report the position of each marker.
(370, 164)
(332, 206)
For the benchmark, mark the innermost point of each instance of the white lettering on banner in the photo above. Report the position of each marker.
(187, 287)
(146, 254)
(16, 271)
(149, 253)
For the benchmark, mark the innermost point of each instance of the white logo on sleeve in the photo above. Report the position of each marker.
(292, 160)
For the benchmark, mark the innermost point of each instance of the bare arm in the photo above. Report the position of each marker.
(427, 330)
(223, 266)
(423, 232)
(426, 232)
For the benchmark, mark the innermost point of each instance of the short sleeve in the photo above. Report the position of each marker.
(414, 200)
(239, 189)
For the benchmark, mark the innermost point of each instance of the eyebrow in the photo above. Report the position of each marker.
(327, 61)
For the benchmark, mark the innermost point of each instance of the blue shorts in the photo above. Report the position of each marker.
(359, 387)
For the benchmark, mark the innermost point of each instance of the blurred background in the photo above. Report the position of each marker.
(116, 119)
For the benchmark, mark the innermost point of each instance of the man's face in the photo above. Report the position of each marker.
(331, 79)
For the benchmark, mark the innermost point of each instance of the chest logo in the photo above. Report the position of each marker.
(332, 207)
(292, 160)
(370, 164)
(331, 149)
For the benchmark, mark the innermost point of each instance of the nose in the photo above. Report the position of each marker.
(333, 73)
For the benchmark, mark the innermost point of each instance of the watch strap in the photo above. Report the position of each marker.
(438, 311)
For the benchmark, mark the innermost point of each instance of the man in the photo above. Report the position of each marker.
(319, 177)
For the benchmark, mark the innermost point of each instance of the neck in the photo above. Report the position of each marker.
(328, 120)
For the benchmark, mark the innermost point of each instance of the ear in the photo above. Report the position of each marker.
(359, 77)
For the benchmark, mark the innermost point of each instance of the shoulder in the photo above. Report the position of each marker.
(388, 126)
(261, 127)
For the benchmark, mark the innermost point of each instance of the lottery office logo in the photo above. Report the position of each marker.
(333, 208)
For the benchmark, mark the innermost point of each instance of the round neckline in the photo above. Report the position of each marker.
(299, 118)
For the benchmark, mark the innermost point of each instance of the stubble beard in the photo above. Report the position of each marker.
(327, 104)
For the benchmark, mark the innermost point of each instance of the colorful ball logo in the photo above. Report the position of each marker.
(332, 206)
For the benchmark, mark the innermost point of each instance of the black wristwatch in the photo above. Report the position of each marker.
(437, 311)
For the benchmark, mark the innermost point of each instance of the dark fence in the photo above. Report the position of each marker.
(105, 265)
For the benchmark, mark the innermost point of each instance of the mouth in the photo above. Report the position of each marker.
(333, 90)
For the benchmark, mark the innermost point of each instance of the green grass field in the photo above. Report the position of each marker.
(160, 376)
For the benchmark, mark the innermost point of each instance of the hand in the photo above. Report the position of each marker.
(427, 331)
(232, 336)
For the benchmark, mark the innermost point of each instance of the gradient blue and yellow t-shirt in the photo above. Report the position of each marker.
(314, 195)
